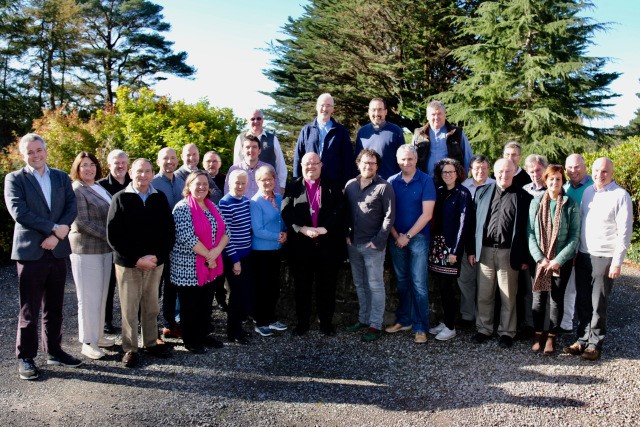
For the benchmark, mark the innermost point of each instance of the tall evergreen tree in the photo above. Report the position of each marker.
(124, 46)
(356, 50)
(529, 77)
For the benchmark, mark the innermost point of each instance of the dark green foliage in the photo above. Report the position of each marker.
(529, 78)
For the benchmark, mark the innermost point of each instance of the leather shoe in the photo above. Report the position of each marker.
(159, 350)
(329, 331)
(198, 349)
(505, 341)
(479, 338)
(591, 353)
(130, 359)
(397, 328)
(174, 332)
(574, 349)
(211, 342)
(420, 338)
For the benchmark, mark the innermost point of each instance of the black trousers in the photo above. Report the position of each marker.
(310, 272)
(240, 296)
(266, 270)
(193, 314)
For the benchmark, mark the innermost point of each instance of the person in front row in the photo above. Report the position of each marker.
(554, 230)
(141, 232)
(42, 203)
(415, 197)
(196, 259)
(501, 251)
(371, 213)
(453, 221)
(313, 210)
(269, 234)
(236, 211)
(605, 235)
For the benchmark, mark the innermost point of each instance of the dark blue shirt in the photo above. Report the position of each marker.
(385, 141)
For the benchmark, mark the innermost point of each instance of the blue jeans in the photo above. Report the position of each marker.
(367, 268)
(410, 266)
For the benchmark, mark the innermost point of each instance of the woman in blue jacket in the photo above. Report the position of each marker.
(269, 233)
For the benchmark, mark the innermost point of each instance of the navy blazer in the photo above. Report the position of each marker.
(34, 220)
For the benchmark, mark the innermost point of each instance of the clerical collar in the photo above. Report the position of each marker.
(384, 122)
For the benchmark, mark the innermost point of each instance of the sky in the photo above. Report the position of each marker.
(227, 40)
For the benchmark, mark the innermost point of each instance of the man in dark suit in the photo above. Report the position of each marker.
(313, 209)
(41, 201)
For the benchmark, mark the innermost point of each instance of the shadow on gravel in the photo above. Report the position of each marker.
(393, 373)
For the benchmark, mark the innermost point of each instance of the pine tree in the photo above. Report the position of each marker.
(357, 50)
(529, 78)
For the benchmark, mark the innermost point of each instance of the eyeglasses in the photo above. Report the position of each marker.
(256, 119)
(311, 164)
(448, 172)
(326, 105)
(368, 163)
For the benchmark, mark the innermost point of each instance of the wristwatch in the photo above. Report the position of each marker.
(409, 236)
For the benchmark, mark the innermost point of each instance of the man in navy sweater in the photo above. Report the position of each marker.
(381, 136)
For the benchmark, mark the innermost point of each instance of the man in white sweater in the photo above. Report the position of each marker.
(605, 236)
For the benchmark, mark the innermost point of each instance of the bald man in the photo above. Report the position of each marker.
(313, 210)
(605, 236)
(501, 251)
(190, 157)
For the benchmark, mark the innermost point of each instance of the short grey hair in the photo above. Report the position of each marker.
(436, 105)
(114, 154)
(513, 144)
(234, 174)
(22, 145)
(536, 159)
(406, 148)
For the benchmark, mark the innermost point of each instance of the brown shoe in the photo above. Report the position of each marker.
(161, 351)
(591, 353)
(397, 328)
(538, 342)
(574, 349)
(550, 345)
(130, 359)
(174, 332)
(421, 338)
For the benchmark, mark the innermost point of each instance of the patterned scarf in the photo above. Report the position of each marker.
(548, 231)
(203, 230)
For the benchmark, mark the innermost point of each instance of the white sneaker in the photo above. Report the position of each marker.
(106, 342)
(446, 334)
(92, 351)
(436, 330)
(278, 326)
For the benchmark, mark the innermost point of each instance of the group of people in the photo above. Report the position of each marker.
(528, 245)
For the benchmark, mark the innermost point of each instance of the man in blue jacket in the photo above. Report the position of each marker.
(329, 140)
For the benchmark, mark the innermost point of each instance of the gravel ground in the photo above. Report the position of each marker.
(339, 381)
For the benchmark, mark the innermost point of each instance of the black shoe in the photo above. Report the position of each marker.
(505, 341)
(212, 342)
(27, 369)
(63, 359)
(329, 331)
(130, 359)
(198, 349)
(109, 329)
(560, 330)
(300, 330)
(479, 338)
(161, 351)
(526, 333)
(465, 324)
(240, 339)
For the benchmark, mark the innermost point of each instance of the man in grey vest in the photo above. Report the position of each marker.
(271, 152)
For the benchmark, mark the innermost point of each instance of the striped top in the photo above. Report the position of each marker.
(237, 217)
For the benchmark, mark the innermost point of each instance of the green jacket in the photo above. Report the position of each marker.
(568, 235)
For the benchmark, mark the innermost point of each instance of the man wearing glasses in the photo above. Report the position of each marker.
(271, 152)
(329, 140)
(313, 209)
(371, 205)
